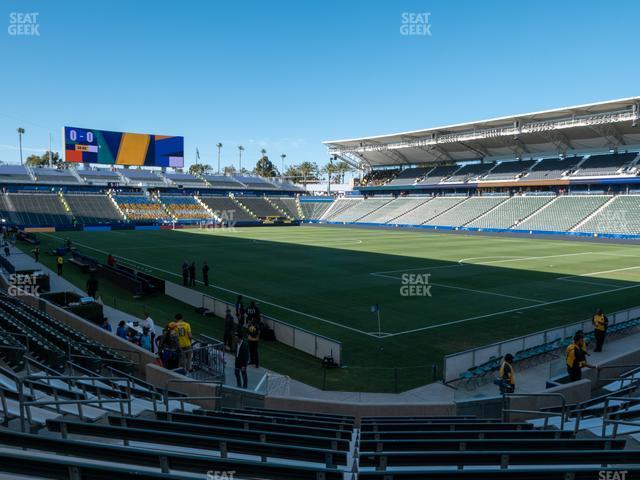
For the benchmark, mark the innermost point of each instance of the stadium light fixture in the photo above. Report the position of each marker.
(283, 156)
(240, 150)
(219, 145)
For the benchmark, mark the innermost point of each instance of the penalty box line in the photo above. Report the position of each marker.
(329, 322)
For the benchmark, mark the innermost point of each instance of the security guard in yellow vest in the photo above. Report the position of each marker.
(577, 357)
(600, 324)
(507, 375)
(60, 263)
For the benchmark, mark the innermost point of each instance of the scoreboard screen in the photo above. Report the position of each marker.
(88, 145)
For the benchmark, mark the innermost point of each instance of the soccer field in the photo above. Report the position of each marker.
(481, 288)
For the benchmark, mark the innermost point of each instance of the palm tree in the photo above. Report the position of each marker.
(20, 133)
(240, 150)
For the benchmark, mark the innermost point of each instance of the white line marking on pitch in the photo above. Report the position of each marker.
(463, 262)
(265, 302)
(554, 302)
(484, 292)
(603, 284)
(598, 273)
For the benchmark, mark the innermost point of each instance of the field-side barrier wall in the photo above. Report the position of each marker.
(312, 343)
(460, 362)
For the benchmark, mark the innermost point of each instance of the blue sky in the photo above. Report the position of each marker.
(286, 75)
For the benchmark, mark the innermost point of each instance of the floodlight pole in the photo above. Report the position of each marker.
(20, 133)
(219, 145)
(240, 149)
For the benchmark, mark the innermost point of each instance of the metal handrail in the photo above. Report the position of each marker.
(629, 375)
(26, 404)
(186, 398)
(547, 415)
(607, 414)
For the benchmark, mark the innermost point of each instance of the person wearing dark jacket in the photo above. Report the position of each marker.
(205, 274)
(192, 274)
(92, 286)
(229, 329)
(185, 273)
(242, 360)
(600, 324)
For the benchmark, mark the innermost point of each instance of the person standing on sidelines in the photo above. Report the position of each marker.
(600, 324)
(242, 360)
(229, 329)
(192, 274)
(184, 341)
(254, 340)
(205, 274)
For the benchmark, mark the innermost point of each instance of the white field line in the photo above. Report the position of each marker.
(478, 317)
(463, 262)
(265, 302)
(484, 292)
(585, 282)
(590, 274)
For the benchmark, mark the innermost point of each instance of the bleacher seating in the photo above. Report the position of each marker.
(92, 209)
(362, 209)
(511, 212)
(339, 206)
(621, 215)
(255, 182)
(552, 168)
(288, 205)
(223, 181)
(469, 172)
(184, 207)
(185, 179)
(225, 208)
(259, 207)
(601, 165)
(428, 210)
(466, 212)
(99, 176)
(14, 173)
(439, 174)
(508, 170)
(141, 208)
(142, 177)
(564, 213)
(393, 209)
(31, 209)
(54, 175)
(376, 178)
(409, 176)
(314, 207)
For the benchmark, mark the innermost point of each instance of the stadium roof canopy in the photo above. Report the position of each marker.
(579, 129)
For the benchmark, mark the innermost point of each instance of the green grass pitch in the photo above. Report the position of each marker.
(482, 288)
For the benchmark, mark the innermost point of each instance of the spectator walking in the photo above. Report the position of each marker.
(242, 359)
(168, 347)
(60, 264)
(106, 325)
(36, 253)
(92, 286)
(229, 328)
(205, 274)
(600, 325)
(577, 357)
(185, 273)
(121, 331)
(147, 322)
(254, 339)
(184, 342)
(145, 339)
(192, 274)
(507, 376)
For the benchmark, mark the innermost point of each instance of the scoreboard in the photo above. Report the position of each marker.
(88, 145)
